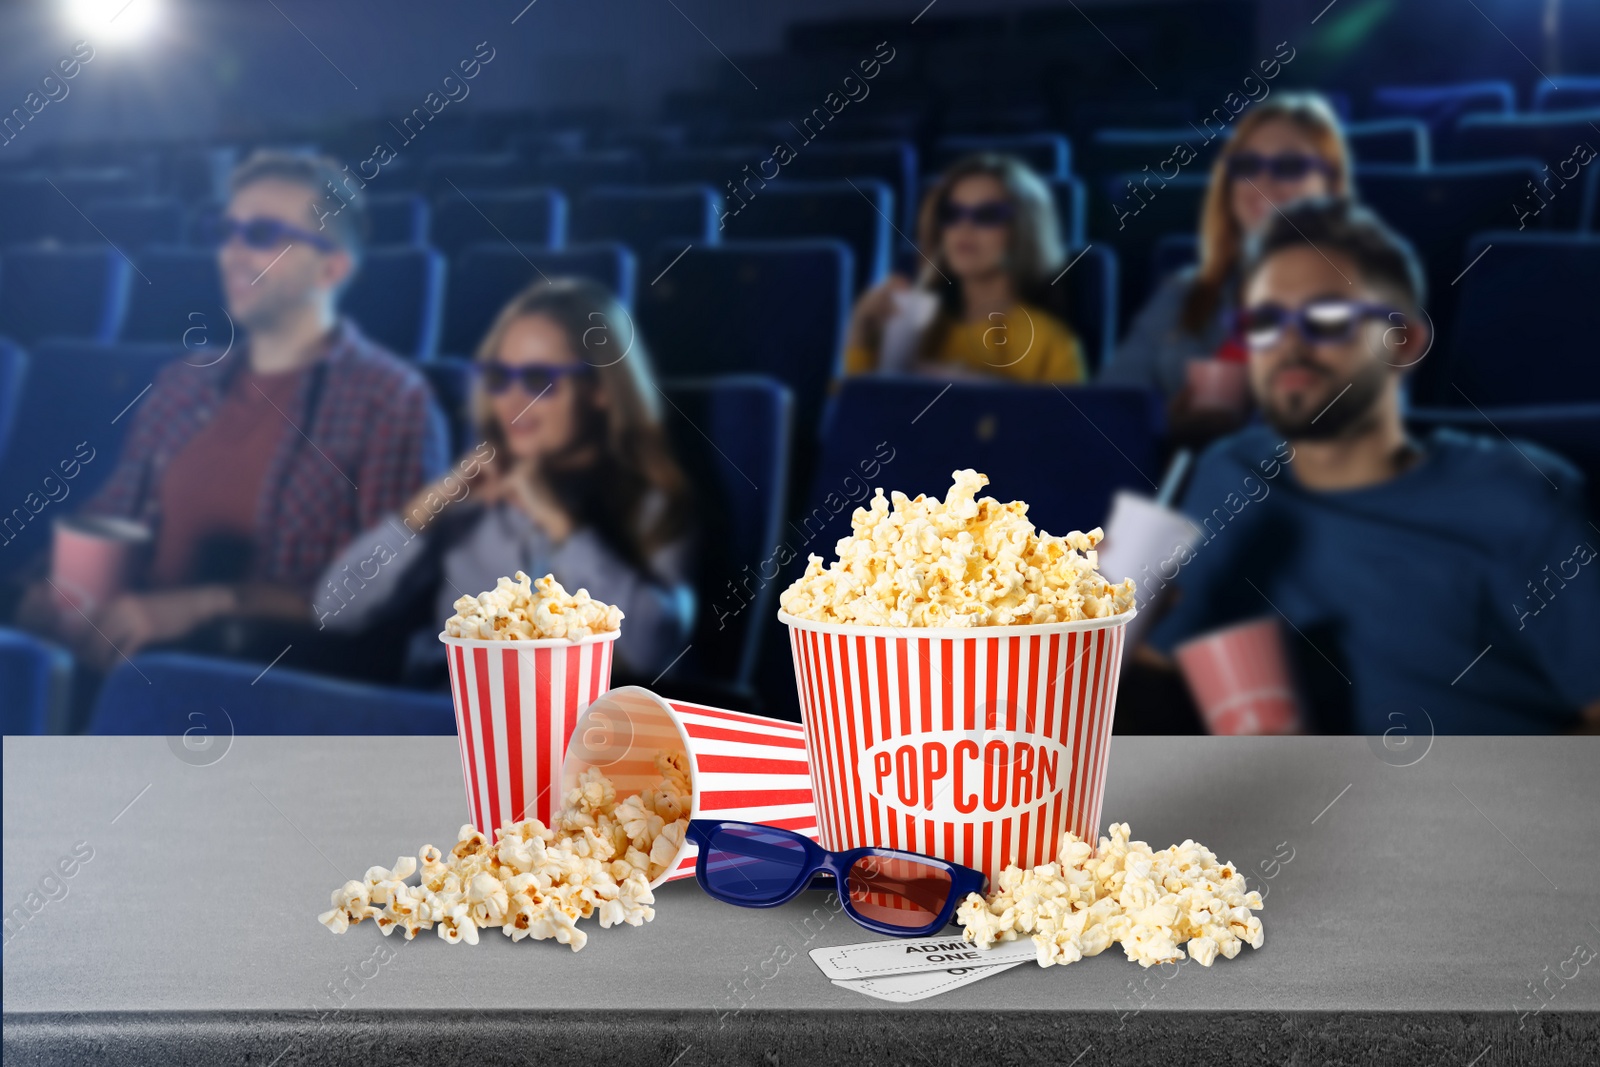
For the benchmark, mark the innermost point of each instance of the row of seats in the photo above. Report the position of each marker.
(401, 298)
(905, 433)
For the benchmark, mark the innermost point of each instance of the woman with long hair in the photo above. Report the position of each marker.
(573, 476)
(990, 245)
(1283, 149)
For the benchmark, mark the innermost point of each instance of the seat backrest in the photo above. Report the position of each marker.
(486, 276)
(398, 219)
(173, 285)
(1134, 220)
(1049, 154)
(535, 216)
(76, 405)
(1572, 431)
(1549, 136)
(202, 698)
(1439, 209)
(1063, 449)
(450, 378)
(646, 216)
(1567, 92)
(732, 437)
(450, 172)
(1524, 327)
(1440, 105)
(1084, 296)
(577, 171)
(856, 212)
(1072, 209)
(397, 299)
(892, 162)
(766, 307)
(49, 291)
(13, 372)
(1398, 141)
(132, 224)
(34, 677)
(1131, 149)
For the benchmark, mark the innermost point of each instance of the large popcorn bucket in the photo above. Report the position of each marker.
(978, 746)
(743, 768)
(516, 705)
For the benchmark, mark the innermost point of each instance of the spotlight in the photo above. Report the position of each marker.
(112, 21)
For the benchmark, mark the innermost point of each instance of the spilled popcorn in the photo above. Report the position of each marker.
(1154, 904)
(961, 561)
(514, 610)
(597, 859)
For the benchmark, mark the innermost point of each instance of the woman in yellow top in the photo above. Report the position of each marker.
(988, 237)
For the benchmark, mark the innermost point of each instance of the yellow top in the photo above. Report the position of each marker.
(1026, 344)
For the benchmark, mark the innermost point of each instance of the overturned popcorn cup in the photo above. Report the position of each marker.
(742, 768)
(516, 705)
(978, 746)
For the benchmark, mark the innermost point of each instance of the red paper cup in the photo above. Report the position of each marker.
(1239, 676)
(91, 557)
(516, 705)
(1218, 385)
(978, 746)
(744, 768)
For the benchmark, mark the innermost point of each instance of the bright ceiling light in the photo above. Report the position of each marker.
(112, 20)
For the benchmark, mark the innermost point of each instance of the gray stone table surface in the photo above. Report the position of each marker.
(1418, 902)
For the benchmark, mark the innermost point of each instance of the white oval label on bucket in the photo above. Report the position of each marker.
(966, 776)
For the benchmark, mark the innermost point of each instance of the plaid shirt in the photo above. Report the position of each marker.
(367, 436)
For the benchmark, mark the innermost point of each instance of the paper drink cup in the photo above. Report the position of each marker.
(91, 559)
(1218, 385)
(516, 705)
(978, 746)
(743, 768)
(1144, 541)
(1240, 678)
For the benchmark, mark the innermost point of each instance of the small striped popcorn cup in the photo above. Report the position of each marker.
(516, 705)
(742, 767)
(978, 746)
(1240, 678)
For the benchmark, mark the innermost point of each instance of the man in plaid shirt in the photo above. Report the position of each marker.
(253, 471)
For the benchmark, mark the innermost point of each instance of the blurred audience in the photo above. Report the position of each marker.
(1448, 576)
(573, 477)
(252, 470)
(990, 244)
(1282, 149)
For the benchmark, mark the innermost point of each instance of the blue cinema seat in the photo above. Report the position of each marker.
(764, 307)
(1049, 154)
(732, 437)
(486, 276)
(858, 213)
(397, 299)
(34, 677)
(398, 219)
(536, 216)
(79, 291)
(646, 216)
(1525, 324)
(178, 694)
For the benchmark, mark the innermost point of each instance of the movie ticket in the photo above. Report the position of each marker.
(876, 958)
(904, 988)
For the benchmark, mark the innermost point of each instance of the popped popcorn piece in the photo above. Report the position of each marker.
(961, 562)
(517, 610)
(1154, 904)
(596, 860)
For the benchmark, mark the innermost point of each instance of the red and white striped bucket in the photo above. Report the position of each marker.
(979, 746)
(516, 704)
(743, 768)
